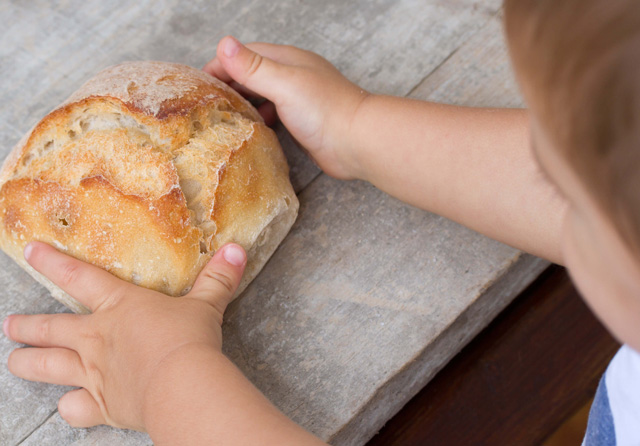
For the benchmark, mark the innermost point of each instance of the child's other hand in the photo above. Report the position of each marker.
(312, 98)
(114, 352)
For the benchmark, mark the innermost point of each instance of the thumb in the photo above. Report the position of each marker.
(258, 73)
(219, 280)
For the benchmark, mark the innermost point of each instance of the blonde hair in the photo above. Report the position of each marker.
(581, 62)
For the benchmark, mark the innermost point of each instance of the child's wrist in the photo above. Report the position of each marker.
(358, 131)
(349, 152)
(170, 375)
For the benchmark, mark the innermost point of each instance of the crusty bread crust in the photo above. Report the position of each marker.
(146, 171)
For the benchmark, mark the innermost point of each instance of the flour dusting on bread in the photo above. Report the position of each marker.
(146, 171)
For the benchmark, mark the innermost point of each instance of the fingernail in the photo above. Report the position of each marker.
(5, 327)
(232, 47)
(27, 251)
(234, 255)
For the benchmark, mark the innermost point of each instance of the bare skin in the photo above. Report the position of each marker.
(472, 165)
(605, 271)
(144, 360)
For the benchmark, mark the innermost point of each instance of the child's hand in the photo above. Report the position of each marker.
(313, 100)
(114, 353)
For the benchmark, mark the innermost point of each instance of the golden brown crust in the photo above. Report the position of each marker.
(146, 171)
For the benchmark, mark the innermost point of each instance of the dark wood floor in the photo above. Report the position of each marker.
(533, 367)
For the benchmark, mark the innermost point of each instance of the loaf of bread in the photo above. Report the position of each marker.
(146, 171)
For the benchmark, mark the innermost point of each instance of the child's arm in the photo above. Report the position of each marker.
(472, 165)
(147, 361)
(223, 408)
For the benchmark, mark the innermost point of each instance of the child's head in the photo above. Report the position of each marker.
(578, 62)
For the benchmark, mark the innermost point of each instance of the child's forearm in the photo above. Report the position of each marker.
(471, 165)
(199, 397)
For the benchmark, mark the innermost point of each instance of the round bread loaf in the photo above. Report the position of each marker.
(146, 171)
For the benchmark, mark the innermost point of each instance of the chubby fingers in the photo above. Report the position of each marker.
(50, 365)
(254, 70)
(215, 68)
(43, 330)
(87, 283)
(282, 54)
(219, 280)
(63, 367)
(80, 409)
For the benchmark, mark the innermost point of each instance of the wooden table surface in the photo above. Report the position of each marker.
(367, 298)
(515, 383)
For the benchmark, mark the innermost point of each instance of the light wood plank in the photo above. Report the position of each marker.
(479, 74)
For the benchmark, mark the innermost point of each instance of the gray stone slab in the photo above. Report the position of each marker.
(367, 298)
(364, 301)
(23, 405)
(56, 432)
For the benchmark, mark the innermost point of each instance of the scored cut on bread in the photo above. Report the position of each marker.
(146, 171)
